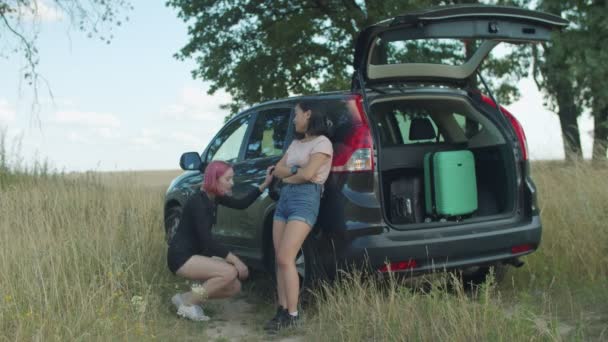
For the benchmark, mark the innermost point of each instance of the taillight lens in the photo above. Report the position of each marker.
(521, 249)
(356, 154)
(398, 266)
(517, 127)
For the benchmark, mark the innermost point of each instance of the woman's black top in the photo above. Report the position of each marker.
(193, 235)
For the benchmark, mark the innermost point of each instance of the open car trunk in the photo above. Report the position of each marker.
(409, 127)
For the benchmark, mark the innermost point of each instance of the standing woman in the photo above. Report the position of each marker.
(304, 169)
(192, 247)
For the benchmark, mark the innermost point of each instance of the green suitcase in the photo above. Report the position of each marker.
(450, 184)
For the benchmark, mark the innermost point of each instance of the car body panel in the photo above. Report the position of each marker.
(465, 22)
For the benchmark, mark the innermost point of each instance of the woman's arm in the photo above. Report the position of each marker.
(241, 268)
(281, 170)
(252, 195)
(307, 173)
(240, 203)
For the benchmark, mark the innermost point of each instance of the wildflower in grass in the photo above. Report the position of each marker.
(139, 304)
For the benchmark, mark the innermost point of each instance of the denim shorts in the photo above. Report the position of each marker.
(299, 202)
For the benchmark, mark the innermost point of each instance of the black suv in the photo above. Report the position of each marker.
(404, 103)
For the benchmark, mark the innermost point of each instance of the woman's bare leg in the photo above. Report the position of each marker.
(294, 235)
(219, 278)
(278, 228)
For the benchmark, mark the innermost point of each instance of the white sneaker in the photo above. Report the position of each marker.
(192, 312)
(177, 300)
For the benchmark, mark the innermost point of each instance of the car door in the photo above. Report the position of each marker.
(412, 47)
(264, 146)
(228, 146)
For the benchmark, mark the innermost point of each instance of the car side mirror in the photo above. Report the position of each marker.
(190, 161)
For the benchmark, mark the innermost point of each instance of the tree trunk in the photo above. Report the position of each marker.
(600, 134)
(568, 114)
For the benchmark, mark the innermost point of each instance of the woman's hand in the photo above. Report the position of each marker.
(269, 175)
(241, 269)
(268, 178)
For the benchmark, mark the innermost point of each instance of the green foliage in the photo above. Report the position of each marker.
(571, 70)
(262, 50)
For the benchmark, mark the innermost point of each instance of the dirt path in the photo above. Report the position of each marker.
(239, 320)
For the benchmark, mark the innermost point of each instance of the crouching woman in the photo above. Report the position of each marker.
(193, 254)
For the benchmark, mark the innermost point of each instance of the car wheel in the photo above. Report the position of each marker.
(475, 276)
(172, 218)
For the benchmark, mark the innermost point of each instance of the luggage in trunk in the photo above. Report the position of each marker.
(406, 200)
(450, 183)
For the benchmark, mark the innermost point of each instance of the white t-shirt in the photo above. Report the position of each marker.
(299, 153)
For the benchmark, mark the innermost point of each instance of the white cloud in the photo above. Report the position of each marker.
(147, 138)
(7, 113)
(86, 118)
(108, 133)
(186, 139)
(78, 138)
(41, 10)
(194, 104)
(55, 101)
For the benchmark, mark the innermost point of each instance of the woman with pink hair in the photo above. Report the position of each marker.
(192, 248)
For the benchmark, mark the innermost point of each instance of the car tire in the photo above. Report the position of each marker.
(172, 218)
(314, 271)
(476, 276)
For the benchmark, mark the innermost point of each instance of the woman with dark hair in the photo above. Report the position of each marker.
(304, 169)
(192, 247)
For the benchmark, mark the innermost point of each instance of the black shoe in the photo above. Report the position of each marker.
(272, 324)
(285, 321)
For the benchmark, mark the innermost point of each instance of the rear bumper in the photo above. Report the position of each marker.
(444, 248)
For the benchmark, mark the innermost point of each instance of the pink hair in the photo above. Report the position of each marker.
(213, 172)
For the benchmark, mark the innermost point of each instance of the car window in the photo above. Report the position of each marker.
(398, 128)
(227, 145)
(268, 136)
(469, 127)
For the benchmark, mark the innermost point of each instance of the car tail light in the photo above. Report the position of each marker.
(356, 154)
(521, 249)
(517, 127)
(398, 266)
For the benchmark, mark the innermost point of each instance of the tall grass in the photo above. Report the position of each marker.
(84, 259)
(574, 211)
(370, 310)
(81, 259)
(73, 255)
(560, 294)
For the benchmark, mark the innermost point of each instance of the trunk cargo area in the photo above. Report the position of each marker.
(411, 128)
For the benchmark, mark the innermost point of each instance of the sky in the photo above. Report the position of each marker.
(129, 105)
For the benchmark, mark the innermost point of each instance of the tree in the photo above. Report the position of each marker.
(591, 69)
(261, 50)
(20, 24)
(554, 75)
(572, 71)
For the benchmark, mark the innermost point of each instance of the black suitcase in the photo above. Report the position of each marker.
(406, 200)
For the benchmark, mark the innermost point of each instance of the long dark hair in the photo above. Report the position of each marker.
(319, 123)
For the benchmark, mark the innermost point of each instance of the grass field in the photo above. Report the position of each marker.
(82, 257)
(560, 294)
